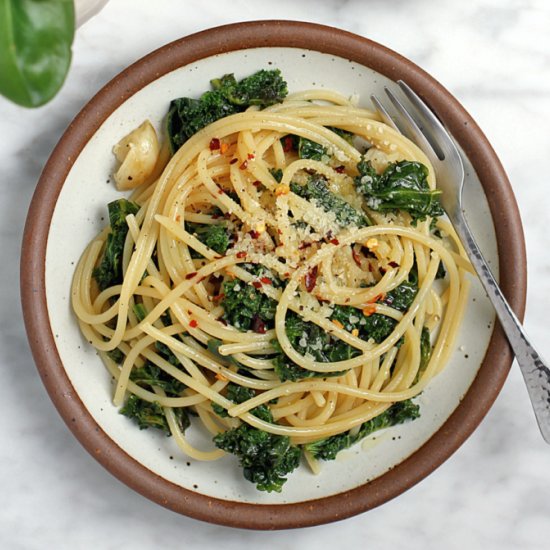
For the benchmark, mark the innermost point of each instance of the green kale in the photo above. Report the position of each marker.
(240, 394)
(316, 189)
(402, 296)
(398, 413)
(213, 344)
(151, 415)
(109, 271)
(308, 149)
(139, 311)
(265, 458)
(228, 96)
(402, 186)
(425, 352)
(277, 173)
(308, 338)
(151, 375)
(116, 355)
(245, 307)
(375, 326)
(214, 236)
(166, 353)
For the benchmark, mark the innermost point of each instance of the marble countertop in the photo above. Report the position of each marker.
(494, 492)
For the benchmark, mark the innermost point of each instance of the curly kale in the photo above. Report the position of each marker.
(214, 236)
(309, 339)
(398, 413)
(402, 186)
(151, 415)
(240, 394)
(316, 190)
(246, 307)
(151, 375)
(308, 149)
(109, 271)
(266, 458)
(228, 96)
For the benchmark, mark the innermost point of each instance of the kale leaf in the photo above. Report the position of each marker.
(228, 96)
(327, 449)
(245, 307)
(316, 189)
(151, 375)
(214, 236)
(109, 271)
(402, 186)
(266, 458)
(308, 149)
(240, 394)
(308, 338)
(151, 415)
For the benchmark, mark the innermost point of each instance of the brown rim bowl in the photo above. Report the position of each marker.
(482, 392)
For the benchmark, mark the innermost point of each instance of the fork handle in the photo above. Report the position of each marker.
(535, 371)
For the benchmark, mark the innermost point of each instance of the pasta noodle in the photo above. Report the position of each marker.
(242, 175)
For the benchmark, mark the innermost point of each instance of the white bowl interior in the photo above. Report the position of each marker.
(81, 213)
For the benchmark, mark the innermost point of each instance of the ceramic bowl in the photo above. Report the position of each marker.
(68, 209)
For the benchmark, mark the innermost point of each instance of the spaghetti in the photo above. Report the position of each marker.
(261, 287)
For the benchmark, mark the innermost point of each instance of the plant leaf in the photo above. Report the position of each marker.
(35, 48)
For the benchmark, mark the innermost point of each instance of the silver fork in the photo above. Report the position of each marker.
(428, 133)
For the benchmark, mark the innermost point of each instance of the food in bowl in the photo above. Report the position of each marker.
(282, 274)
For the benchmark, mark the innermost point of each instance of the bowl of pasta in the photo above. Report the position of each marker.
(263, 318)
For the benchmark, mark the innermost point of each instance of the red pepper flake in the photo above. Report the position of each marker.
(256, 284)
(233, 161)
(301, 246)
(190, 275)
(369, 310)
(215, 216)
(241, 254)
(334, 241)
(393, 264)
(377, 298)
(287, 274)
(178, 218)
(220, 191)
(340, 169)
(310, 280)
(288, 144)
(257, 183)
(244, 165)
(254, 234)
(279, 232)
(218, 297)
(266, 280)
(250, 156)
(214, 144)
(193, 323)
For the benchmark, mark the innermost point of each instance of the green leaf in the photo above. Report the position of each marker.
(35, 48)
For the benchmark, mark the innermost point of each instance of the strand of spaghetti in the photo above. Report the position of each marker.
(180, 439)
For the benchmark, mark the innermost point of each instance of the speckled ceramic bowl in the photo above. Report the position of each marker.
(70, 201)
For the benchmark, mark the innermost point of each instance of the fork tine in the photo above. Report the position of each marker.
(415, 132)
(384, 114)
(440, 134)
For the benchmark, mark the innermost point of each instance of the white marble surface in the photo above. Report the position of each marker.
(495, 491)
